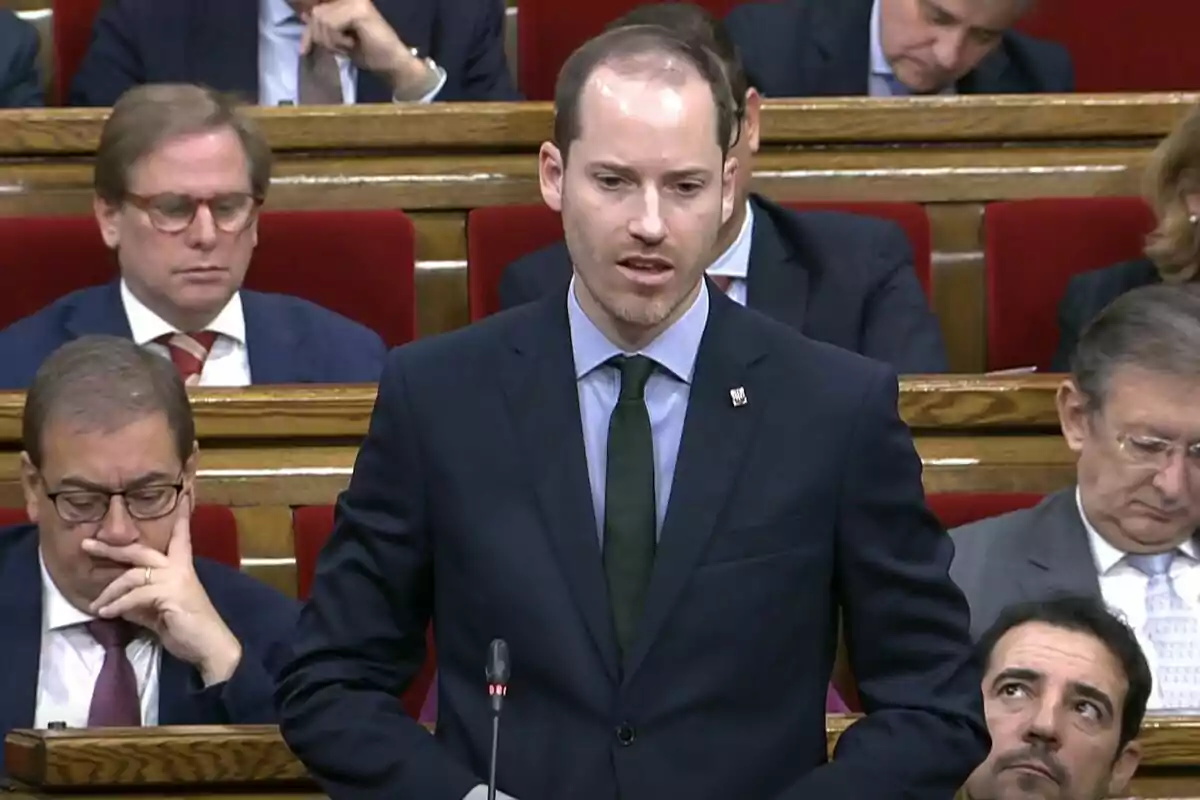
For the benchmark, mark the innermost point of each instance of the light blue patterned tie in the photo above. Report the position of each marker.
(895, 87)
(1173, 631)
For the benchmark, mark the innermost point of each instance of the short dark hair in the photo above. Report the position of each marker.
(1153, 327)
(105, 383)
(632, 47)
(1083, 615)
(699, 25)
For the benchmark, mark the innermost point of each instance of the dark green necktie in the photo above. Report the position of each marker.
(629, 509)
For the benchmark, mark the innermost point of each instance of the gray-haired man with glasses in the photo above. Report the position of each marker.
(179, 179)
(1126, 532)
(108, 618)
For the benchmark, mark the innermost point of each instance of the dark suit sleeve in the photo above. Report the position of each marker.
(485, 73)
(248, 697)
(898, 326)
(906, 626)
(520, 282)
(21, 82)
(361, 636)
(113, 63)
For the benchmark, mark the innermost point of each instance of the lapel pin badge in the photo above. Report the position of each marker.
(737, 396)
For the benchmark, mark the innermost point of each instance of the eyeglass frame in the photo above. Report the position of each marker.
(144, 203)
(1191, 451)
(179, 486)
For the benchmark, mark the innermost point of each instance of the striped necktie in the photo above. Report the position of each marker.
(319, 82)
(188, 352)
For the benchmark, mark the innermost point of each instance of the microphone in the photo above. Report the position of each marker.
(497, 672)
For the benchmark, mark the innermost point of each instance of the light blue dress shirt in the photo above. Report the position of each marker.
(279, 35)
(667, 392)
(734, 263)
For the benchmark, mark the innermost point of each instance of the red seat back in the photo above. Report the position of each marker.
(357, 263)
(959, 508)
(72, 28)
(311, 526)
(499, 235)
(214, 532)
(1117, 46)
(548, 31)
(1032, 249)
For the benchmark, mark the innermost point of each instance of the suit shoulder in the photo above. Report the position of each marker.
(310, 316)
(16, 31)
(234, 593)
(15, 540)
(543, 260)
(1046, 64)
(51, 317)
(1119, 277)
(465, 351)
(764, 17)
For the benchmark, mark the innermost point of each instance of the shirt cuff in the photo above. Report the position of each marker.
(429, 97)
(480, 793)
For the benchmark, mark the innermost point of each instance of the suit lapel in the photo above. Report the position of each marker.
(988, 77)
(275, 356)
(715, 436)
(98, 311)
(776, 284)
(223, 46)
(538, 377)
(413, 23)
(1059, 558)
(21, 608)
(842, 40)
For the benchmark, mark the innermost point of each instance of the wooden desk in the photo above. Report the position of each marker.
(439, 161)
(264, 451)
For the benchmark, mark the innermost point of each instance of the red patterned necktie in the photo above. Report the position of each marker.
(723, 282)
(189, 352)
(115, 701)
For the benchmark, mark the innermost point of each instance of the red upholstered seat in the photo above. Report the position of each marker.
(499, 235)
(357, 263)
(1032, 249)
(548, 31)
(214, 532)
(311, 526)
(72, 34)
(1120, 46)
(960, 508)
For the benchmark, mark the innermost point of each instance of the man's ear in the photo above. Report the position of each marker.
(750, 128)
(1123, 768)
(729, 187)
(551, 172)
(108, 218)
(30, 482)
(1074, 414)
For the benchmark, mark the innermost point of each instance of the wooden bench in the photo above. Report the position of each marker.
(265, 451)
(253, 762)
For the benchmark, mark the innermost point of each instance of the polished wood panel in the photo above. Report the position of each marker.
(438, 162)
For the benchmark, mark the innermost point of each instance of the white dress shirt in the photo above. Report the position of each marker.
(71, 660)
(734, 263)
(1123, 589)
(228, 363)
(881, 68)
(279, 35)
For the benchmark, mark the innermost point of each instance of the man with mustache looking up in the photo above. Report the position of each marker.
(1065, 690)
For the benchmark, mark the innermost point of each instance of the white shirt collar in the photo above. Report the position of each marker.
(57, 611)
(146, 326)
(879, 62)
(735, 261)
(277, 13)
(1107, 556)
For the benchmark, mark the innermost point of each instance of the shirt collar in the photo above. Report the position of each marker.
(146, 326)
(675, 349)
(1104, 553)
(879, 62)
(277, 13)
(57, 611)
(735, 261)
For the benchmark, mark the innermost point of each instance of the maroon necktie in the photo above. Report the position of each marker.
(188, 352)
(723, 282)
(115, 701)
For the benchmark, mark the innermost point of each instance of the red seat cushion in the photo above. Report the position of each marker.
(72, 26)
(311, 526)
(499, 235)
(959, 508)
(214, 532)
(548, 31)
(357, 263)
(1032, 249)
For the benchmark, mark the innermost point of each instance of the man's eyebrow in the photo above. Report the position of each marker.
(146, 479)
(1094, 694)
(1018, 674)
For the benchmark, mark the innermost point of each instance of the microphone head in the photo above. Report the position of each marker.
(497, 663)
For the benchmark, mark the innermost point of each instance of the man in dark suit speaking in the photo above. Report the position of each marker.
(839, 278)
(659, 499)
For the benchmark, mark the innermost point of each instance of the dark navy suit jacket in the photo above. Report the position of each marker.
(840, 278)
(215, 43)
(289, 340)
(815, 48)
(470, 503)
(1090, 293)
(20, 77)
(261, 618)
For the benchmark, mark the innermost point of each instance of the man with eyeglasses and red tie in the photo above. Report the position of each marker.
(109, 620)
(1126, 532)
(180, 176)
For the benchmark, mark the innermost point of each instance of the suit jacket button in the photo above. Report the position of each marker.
(626, 734)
